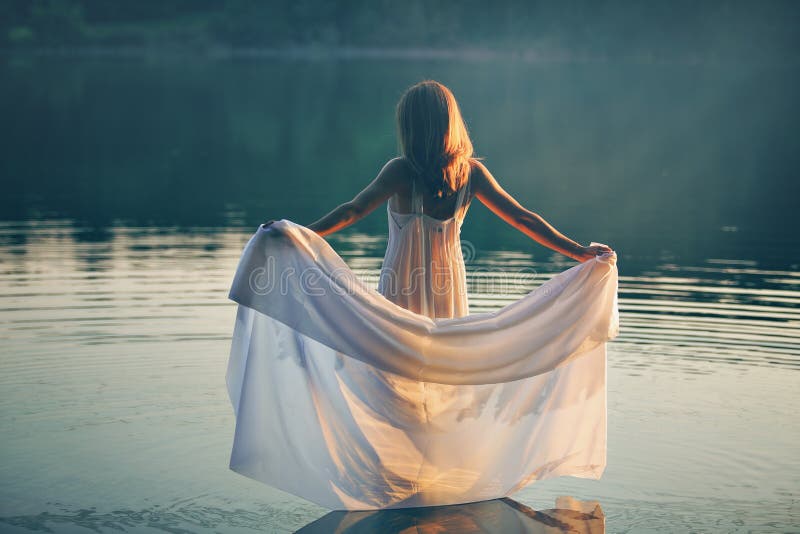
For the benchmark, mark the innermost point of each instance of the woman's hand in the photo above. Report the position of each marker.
(587, 253)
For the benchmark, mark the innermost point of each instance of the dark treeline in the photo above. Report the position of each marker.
(700, 160)
(677, 30)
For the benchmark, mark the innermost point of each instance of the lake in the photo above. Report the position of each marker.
(131, 184)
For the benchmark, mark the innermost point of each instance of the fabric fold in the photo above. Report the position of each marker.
(353, 402)
(291, 274)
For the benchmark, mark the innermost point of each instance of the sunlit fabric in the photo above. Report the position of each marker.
(423, 268)
(351, 401)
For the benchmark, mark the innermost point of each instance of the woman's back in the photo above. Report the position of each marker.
(423, 269)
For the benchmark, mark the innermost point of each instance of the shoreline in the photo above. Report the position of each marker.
(345, 53)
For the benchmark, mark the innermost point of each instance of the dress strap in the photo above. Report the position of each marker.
(416, 200)
(461, 201)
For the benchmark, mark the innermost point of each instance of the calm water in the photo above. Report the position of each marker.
(130, 187)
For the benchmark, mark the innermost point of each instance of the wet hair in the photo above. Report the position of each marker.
(433, 137)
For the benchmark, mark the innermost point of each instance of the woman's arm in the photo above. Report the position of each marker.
(531, 224)
(378, 191)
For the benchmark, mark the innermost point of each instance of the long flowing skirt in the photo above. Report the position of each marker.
(353, 402)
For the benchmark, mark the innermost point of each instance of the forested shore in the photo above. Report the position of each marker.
(675, 31)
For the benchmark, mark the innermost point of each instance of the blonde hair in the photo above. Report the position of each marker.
(433, 137)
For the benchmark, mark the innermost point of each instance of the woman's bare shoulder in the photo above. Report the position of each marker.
(397, 170)
(399, 164)
(479, 174)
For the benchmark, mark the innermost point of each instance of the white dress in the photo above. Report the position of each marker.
(346, 397)
(423, 269)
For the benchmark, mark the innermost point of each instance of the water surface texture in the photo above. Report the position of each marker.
(131, 185)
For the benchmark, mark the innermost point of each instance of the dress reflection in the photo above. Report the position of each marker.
(498, 515)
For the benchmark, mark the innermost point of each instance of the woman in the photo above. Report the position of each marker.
(429, 188)
(359, 402)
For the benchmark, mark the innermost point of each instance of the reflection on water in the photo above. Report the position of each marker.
(489, 517)
(102, 288)
(499, 515)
